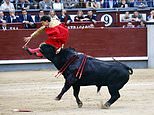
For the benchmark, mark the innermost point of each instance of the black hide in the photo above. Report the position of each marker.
(114, 74)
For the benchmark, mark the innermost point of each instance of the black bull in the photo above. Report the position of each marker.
(114, 75)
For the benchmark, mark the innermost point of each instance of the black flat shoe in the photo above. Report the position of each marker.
(26, 49)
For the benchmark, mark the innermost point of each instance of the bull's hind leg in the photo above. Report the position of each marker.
(76, 90)
(114, 92)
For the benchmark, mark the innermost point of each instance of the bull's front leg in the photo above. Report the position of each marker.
(76, 90)
(64, 89)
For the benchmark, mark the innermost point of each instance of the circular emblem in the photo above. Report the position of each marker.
(107, 19)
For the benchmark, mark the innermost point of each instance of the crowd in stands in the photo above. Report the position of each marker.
(137, 17)
(62, 4)
(29, 21)
(53, 5)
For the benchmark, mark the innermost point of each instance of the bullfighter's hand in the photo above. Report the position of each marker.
(27, 39)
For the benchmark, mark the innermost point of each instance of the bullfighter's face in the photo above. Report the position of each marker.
(45, 23)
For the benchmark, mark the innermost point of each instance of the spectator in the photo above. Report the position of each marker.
(81, 4)
(26, 19)
(123, 4)
(126, 17)
(105, 4)
(129, 25)
(37, 1)
(109, 3)
(45, 4)
(98, 2)
(140, 3)
(7, 5)
(65, 17)
(69, 3)
(57, 5)
(12, 18)
(91, 4)
(33, 4)
(90, 17)
(79, 16)
(116, 3)
(4, 26)
(150, 3)
(150, 18)
(38, 16)
(131, 3)
(1, 2)
(23, 4)
(13, 1)
(2, 16)
(142, 24)
(53, 15)
(137, 16)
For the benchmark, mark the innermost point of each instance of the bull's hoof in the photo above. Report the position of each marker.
(57, 99)
(80, 105)
(105, 106)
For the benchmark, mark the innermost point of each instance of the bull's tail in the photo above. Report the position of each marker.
(130, 70)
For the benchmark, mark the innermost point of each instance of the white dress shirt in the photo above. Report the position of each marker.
(5, 6)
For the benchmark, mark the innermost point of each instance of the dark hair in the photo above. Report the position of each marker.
(45, 18)
(41, 10)
(24, 9)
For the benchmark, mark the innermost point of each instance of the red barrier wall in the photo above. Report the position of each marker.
(110, 41)
(93, 41)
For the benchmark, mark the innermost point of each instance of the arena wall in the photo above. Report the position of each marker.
(97, 42)
(126, 44)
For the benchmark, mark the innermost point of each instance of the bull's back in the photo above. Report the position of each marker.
(98, 72)
(94, 73)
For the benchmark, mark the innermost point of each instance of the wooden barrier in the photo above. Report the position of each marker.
(73, 25)
(98, 42)
(108, 42)
(14, 26)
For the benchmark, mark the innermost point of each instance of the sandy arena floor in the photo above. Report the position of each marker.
(36, 90)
